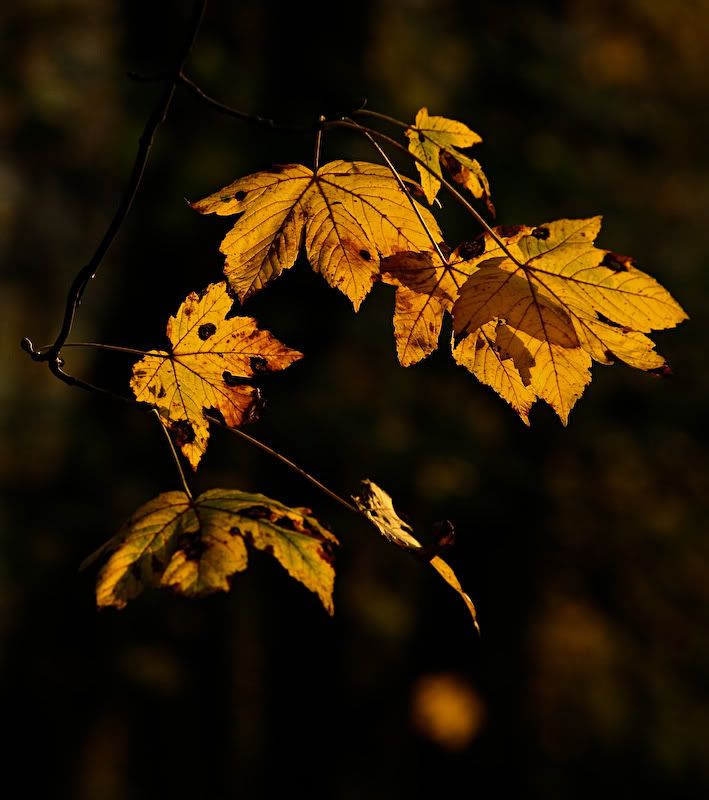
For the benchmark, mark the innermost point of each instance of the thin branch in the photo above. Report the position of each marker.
(84, 276)
(244, 116)
(174, 453)
(384, 117)
(266, 449)
(411, 200)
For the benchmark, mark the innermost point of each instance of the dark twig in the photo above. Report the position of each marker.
(84, 276)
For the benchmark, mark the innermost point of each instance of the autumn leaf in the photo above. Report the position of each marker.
(204, 368)
(349, 214)
(495, 366)
(427, 287)
(435, 140)
(548, 303)
(195, 546)
(378, 507)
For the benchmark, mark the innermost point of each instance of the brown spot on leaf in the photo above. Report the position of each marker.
(509, 230)
(541, 233)
(239, 196)
(286, 523)
(473, 248)
(366, 255)
(162, 392)
(610, 356)
(617, 262)
(259, 364)
(255, 512)
(229, 379)
(327, 551)
(480, 343)
(192, 546)
(422, 138)
(206, 331)
(182, 432)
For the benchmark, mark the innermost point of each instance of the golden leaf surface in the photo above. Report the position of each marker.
(551, 304)
(435, 141)
(348, 213)
(204, 368)
(195, 546)
(379, 509)
(426, 288)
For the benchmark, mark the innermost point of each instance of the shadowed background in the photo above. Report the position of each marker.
(584, 548)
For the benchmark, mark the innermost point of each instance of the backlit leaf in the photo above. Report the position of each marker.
(426, 289)
(195, 546)
(378, 507)
(349, 214)
(435, 141)
(557, 301)
(205, 367)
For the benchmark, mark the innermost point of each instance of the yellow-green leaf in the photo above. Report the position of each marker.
(204, 368)
(378, 507)
(349, 214)
(435, 140)
(195, 546)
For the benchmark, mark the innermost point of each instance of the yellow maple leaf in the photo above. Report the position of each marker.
(435, 141)
(195, 546)
(495, 366)
(204, 368)
(427, 287)
(565, 302)
(378, 507)
(349, 214)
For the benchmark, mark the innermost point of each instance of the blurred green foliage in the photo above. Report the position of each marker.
(585, 549)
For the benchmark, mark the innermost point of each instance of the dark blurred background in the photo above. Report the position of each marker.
(585, 548)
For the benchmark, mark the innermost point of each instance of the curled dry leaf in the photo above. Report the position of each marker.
(435, 141)
(530, 324)
(195, 546)
(205, 367)
(349, 213)
(378, 507)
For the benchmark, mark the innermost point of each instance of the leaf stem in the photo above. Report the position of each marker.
(266, 449)
(318, 143)
(174, 453)
(99, 346)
